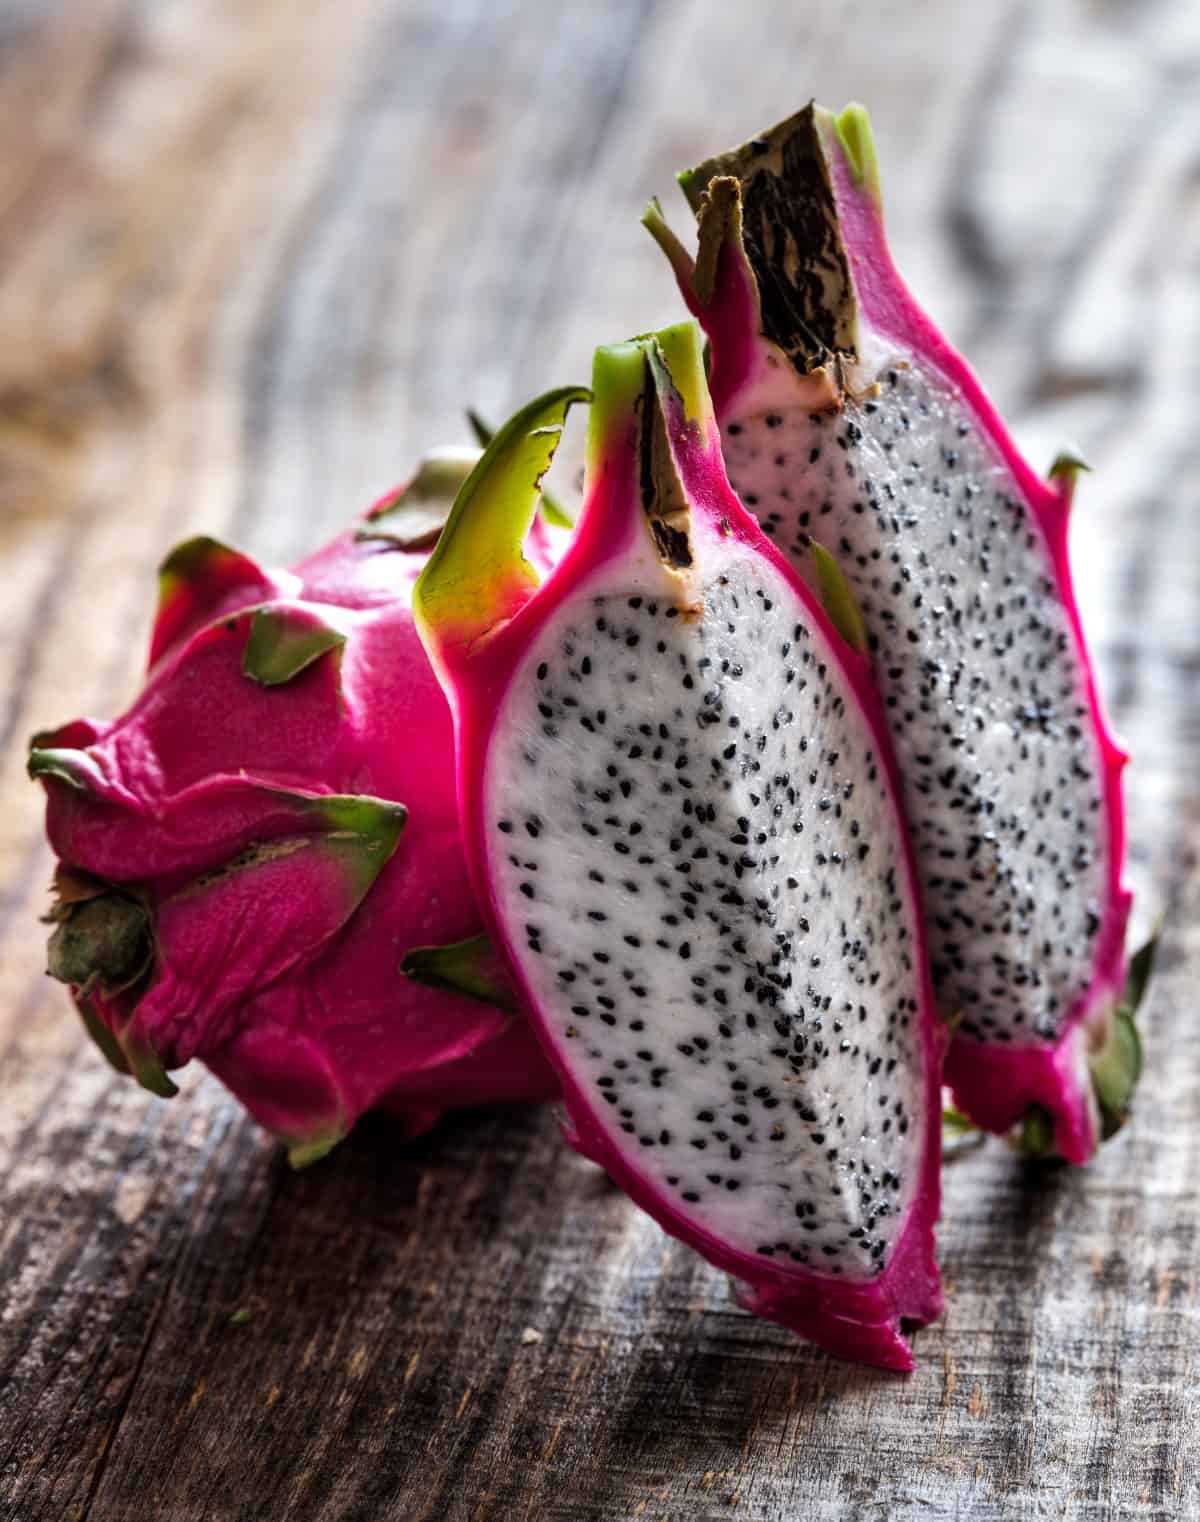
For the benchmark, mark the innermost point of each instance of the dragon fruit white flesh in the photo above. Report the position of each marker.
(846, 417)
(681, 818)
(255, 854)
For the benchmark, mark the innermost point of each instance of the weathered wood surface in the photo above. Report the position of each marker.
(253, 255)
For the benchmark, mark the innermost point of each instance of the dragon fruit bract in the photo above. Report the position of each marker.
(847, 417)
(248, 854)
(680, 816)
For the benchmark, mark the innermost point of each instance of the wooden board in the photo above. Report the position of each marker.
(254, 254)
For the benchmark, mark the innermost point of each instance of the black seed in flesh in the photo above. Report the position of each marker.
(691, 977)
(985, 692)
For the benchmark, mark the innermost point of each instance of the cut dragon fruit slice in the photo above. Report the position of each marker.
(680, 814)
(847, 417)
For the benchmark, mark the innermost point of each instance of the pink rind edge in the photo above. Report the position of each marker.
(909, 1288)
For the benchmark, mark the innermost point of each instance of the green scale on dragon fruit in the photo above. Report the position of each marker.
(259, 864)
(848, 418)
(680, 815)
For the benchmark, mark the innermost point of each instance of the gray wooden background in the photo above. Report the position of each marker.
(254, 254)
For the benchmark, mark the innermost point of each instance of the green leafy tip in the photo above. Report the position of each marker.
(1115, 1071)
(1116, 1066)
(1035, 1136)
(1065, 469)
(414, 516)
(285, 641)
(144, 1062)
(853, 127)
(74, 767)
(960, 1134)
(1141, 967)
(197, 557)
(955, 1123)
(1067, 463)
(680, 260)
(666, 366)
(470, 967)
(481, 429)
(358, 814)
(243, 1316)
(363, 832)
(477, 575)
(303, 1154)
(837, 599)
(552, 509)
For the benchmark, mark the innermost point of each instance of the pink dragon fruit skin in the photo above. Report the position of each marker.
(272, 824)
(1073, 1085)
(489, 629)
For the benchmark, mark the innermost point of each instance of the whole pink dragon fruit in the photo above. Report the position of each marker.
(681, 818)
(847, 418)
(261, 856)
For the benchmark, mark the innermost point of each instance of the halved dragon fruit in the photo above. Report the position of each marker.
(680, 815)
(847, 417)
(253, 852)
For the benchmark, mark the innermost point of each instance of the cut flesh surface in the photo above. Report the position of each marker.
(731, 966)
(985, 693)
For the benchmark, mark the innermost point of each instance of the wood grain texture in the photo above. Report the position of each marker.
(254, 255)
